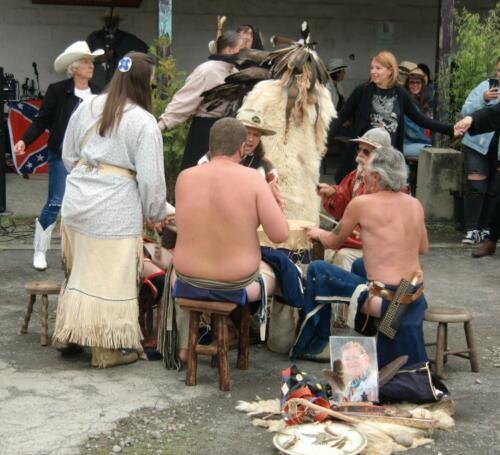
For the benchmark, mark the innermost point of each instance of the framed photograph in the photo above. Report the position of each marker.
(354, 365)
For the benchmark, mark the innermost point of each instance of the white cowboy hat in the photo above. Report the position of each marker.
(73, 53)
(253, 119)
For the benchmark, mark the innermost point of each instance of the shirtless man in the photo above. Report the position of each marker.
(335, 198)
(393, 235)
(219, 207)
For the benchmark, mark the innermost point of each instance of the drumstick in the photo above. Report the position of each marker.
(329, 219)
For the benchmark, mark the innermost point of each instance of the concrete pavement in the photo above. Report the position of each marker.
(51, 404)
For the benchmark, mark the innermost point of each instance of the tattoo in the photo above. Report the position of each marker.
(338, 228)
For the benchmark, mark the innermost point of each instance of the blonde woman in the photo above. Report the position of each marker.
(380, 103)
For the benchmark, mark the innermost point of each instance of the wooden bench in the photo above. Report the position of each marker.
(219, 348)
(43, 288)
(449, 315)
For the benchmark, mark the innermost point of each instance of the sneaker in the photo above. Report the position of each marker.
(484, 234)
(471, 237)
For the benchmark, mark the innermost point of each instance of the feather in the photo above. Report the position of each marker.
(305, 32)
(234, 89)
(280, 41)
(249, 57)
(335, 378)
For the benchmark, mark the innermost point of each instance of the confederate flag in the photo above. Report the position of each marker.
(34, 161)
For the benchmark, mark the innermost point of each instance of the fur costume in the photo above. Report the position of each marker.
(298, 145)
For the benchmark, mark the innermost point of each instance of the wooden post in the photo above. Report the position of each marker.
(443, 60)
(223, 352)
(440, 349)
(471, 344)
(27, 316)
(244, 338)
(44, 337)
(192, 360)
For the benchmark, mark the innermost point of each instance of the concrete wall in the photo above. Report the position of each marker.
(39, 33)
(341, 27)
(439, 176)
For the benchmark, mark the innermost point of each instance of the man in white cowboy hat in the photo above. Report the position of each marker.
(337, 70)
(336, 197)
(60, 101)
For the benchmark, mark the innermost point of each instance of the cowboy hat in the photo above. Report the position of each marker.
(417, 73)
(336, 64)
(73, 53)
(406, 66)
(253, 119)
(376, 137)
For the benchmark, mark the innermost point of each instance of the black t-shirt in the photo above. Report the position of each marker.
(385, 110)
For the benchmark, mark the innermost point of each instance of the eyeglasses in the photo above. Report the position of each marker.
(414, 82)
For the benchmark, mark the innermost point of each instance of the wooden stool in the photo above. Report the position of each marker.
(448, 315)
(219, 348)
(43, 288)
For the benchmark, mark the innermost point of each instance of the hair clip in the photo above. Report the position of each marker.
(125, 64)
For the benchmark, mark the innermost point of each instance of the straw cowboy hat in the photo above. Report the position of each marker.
(253, 119)
(406, 66)
(336, 64)
(376, 137)
(418, 73)
(73, 53)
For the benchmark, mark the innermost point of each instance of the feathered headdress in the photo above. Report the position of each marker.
(299, 68)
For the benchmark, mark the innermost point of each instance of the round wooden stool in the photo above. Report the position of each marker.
(43, 288)
(449, 315)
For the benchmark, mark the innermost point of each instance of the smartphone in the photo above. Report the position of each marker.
(493, 84)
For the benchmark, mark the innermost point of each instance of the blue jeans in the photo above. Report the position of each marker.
(328, 284)
(57, 185)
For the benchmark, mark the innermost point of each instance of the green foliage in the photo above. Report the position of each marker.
(478, 47)
(168, 81)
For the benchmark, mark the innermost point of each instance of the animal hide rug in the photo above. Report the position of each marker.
(383, 438)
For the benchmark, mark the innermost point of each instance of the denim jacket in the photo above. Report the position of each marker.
(475, 101)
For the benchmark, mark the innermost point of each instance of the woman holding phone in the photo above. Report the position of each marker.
(480, 165)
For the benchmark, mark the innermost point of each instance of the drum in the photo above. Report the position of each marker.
(297, 239)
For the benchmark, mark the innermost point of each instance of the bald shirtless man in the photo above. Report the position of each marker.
(393, 235)
(219, 207)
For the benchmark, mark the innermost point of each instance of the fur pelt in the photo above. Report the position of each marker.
(383, 438)
(298, 146)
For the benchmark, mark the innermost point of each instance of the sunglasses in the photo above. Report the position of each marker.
(364, 150)
(414, 82)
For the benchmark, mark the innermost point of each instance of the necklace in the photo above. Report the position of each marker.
(246, 162)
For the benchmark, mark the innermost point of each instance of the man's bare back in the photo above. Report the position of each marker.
(393, 234)
(218, 208)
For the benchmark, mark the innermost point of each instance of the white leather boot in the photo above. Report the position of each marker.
(41, 244)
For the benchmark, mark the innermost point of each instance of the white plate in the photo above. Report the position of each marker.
(309, 437)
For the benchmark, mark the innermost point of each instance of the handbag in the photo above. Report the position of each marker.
(283, 322)
(413, 384)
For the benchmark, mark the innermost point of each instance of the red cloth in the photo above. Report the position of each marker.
(335, 205)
